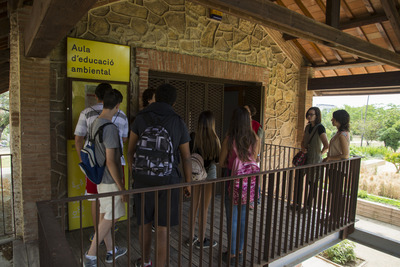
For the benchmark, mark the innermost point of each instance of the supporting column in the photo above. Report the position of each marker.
(30, 129)
(304, 102)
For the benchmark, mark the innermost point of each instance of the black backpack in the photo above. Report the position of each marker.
(154, 154)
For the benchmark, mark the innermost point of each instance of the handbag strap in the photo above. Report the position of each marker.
(313, 133)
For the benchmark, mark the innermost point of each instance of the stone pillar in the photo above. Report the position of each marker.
(304, 102)
(30, 128)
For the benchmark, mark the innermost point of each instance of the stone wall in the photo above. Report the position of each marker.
(181, 27)
(184, 27)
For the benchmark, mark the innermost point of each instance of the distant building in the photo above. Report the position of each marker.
(326, 106)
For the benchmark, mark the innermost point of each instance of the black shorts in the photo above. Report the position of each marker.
(150, 207)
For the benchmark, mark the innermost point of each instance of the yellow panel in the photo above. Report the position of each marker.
(82, 97)
(96, 60)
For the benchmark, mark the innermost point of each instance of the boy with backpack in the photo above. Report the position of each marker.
(157, 137)
(108, 150)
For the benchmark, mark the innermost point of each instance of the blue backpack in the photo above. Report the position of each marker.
(89, 165)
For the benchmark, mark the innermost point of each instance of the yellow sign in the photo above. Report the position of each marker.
(96, 60)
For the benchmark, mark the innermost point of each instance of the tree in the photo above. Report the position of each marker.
(4, 113)
(391, 138)
(395, 159)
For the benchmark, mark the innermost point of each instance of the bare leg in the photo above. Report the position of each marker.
(94, 208)
(162, 246)
(196, 195)
(147, 241)
(104, 234)
(207, 200)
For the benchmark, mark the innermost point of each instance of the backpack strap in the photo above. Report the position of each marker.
(99, 132)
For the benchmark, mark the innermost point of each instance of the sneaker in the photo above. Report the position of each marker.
(193, 242)
(120, 252)
(88, 262)
(138, 263)
(206, 243)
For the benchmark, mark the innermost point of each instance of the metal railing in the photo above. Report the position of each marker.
(297, 207)
(7, 219)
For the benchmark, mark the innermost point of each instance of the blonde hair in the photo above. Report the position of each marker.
(206, 139)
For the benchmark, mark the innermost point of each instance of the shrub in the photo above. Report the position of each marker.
(370, 151)
(341, 253)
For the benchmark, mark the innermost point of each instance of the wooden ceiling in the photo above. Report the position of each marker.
(377, 22)
(338, 39)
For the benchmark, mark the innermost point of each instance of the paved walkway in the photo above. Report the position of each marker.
(371, 256)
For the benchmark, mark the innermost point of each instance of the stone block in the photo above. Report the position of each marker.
(156, 6)
(176, 20)
(131, 10)
(99, 26)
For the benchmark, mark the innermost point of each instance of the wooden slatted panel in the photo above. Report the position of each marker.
(180, 104)
(197, 92)
(155, 82)
(253, 96)
(215, 99)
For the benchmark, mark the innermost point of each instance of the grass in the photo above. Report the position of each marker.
(370, 151)
(392, 202)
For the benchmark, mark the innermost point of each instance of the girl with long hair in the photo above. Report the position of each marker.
(339, 146)
(242, 142)
(207, 144)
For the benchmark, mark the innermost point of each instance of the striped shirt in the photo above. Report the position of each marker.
(90, 114)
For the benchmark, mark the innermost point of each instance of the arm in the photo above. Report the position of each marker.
(79, 142)
(256, 151)
(187, 164)
(115, 169)
(224, 153)
(324, 140)
(133, 138)
(124, 139)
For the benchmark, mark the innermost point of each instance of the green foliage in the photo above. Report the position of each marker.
(341, 253)
(391, 138)
(4, 116)
(369, 151)
(362, 194)
(388, 201)
(394, 158)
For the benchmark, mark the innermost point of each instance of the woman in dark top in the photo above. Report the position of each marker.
(207, 144)
(314, 138)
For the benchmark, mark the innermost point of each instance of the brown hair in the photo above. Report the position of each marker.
(206, 139)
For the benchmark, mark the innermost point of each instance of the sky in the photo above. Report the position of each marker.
(357, 101)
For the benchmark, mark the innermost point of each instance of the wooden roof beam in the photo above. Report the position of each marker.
(389, 6)
(375, 81)
(361, 63)
(333, 13)
(50, 21)
(362, 21)
(287, 21)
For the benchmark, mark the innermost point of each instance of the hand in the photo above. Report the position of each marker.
(187, 191)
(124, 198)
